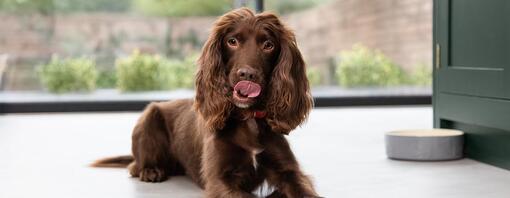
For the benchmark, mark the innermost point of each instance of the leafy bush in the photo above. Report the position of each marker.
(183, 8)
(106, 79)
(67, 75)
(290, 6)
(180, 73)
(421, 76)
(314, 76)
(364, 67)
(142, 72)
(40, 6)
(139, 72)
(64, 6)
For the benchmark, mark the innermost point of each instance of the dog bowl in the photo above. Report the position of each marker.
(425, 144)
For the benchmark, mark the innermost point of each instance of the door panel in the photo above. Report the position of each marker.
(482, 22)
(468, 82)
(473, 47)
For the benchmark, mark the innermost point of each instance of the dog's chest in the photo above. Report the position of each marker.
(247, 137)
(253, 154)
(254, 147)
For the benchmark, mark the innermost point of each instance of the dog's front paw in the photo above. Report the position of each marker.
(152, 175)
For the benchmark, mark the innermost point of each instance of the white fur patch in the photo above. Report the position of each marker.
(242, 106)
(254, 154)
(254, 159)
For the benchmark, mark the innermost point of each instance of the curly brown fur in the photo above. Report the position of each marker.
(220, 139)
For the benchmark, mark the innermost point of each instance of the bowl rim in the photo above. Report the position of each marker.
(426, 133)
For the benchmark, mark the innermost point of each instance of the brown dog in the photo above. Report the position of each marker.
(251, 90)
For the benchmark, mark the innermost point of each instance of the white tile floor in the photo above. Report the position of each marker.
(46, 155)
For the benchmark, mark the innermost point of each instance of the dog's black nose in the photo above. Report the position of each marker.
(246, 73)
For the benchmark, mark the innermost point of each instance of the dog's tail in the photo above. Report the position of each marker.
(114, 162)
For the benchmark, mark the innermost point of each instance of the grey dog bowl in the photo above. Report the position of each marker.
(425, 145)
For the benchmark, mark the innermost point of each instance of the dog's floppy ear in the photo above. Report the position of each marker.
(211, 99)
(289, 100)
(210, 81)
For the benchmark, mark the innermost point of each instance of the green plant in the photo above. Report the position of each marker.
(40, 6)
(139, 72)
(106, 79)
(183, 8)
(421, 75)
(64, 6)
(314, 76)
(142, 72)
(290, 6)
(362, 66)
(67, 75)
(180, 73)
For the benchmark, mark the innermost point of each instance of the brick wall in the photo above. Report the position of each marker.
(26, 37)
(401, 29)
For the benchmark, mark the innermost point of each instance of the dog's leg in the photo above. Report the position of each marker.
(283, 170)
(226, 170)
(150, 147)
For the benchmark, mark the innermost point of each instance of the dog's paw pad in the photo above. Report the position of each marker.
(152, 175)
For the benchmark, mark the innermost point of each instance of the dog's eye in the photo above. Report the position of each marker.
(232, 42)
(268, 46)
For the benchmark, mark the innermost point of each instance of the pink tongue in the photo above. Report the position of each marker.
(247, 88)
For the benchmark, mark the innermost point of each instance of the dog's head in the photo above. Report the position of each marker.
(252, 62)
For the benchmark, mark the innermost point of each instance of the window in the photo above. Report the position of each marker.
(72, 55)
(363, 48)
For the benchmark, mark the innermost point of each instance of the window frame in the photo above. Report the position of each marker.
(138, 105)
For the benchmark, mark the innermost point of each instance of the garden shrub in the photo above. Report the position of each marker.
(140, 72)
(314, 76)
(421, 75)
(362, 67)
(143, 72)
(106, 79)
(69, 75)
(180, 73)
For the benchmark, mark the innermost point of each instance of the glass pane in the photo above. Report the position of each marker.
(61, 50)
(102, 49)
(363, 47)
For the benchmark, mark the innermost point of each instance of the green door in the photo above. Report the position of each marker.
(472, 75)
